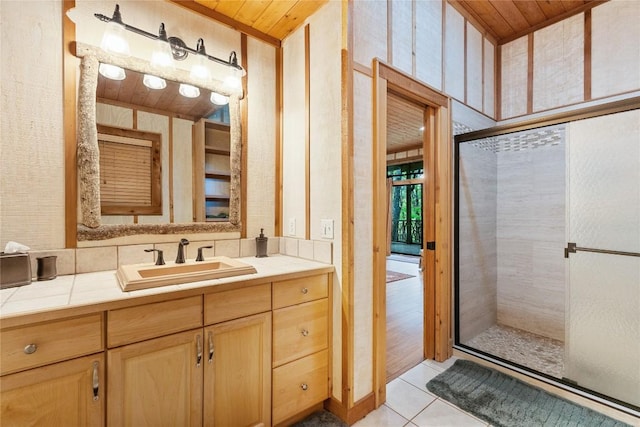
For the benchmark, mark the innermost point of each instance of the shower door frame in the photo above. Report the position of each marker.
(555, 119)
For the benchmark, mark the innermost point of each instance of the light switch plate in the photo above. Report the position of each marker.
(292, 226)
(326, 226)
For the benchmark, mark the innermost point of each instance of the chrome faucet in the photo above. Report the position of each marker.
(181, 244)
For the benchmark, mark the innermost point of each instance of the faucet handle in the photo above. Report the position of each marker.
(200, 257)
(160, 258)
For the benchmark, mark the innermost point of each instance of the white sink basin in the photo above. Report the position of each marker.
(142, 276)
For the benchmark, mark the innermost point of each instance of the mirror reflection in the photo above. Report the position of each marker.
(199, 149)
(132, 92)
(186, 124)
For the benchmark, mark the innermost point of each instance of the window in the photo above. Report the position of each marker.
(130, 172)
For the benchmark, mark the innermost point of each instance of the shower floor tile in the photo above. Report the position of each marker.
(540, 353)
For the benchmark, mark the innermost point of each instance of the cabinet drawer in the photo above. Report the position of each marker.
(132, 324)
(299, 331)
(36, 345)
(236, 303)
(296, 291)
(299, 385)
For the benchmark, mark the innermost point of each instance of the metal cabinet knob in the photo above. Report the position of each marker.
(304, 332)
(304, 290)
(304, 387)
(30, 349)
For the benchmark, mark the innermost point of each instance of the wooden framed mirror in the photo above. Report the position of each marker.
(90, 221)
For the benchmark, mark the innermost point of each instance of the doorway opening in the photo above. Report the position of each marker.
(404, 285)
(435, 151)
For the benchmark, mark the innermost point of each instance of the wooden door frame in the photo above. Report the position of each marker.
(437, 153)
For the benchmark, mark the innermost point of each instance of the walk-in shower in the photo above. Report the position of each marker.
(547, 258)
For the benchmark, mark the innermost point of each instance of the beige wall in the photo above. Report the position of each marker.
(385, 30)
(31, 135)
(32, 146)
(325, 146)
(558, 61)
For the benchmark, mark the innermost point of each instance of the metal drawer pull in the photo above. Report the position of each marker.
(30, 349)
(210, 347)
(304, 332)
(96, 381)
(304, 290)
(198, 350)
(304, 387)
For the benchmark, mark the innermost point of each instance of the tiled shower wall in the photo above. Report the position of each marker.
(477, 231)
(531, 231)
(512, 233)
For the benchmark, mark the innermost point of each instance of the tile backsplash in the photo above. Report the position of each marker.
(86, 260)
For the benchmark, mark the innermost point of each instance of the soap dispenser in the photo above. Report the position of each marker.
(261, 245)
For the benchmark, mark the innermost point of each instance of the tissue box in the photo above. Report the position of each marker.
(15, 270)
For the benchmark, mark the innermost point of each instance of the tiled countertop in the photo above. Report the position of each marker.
(93, 289)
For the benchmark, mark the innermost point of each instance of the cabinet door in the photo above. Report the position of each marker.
(56, 395)
(237, 380)
(157, 382)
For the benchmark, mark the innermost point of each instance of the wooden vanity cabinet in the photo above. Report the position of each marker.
(53, 373)
(157, 382)
(67, 393)
(247, 356)
(154, 364)
(216, 375)
(301, 345)
(237, 373)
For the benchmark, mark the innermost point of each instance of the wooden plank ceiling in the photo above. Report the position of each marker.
(507, 20)
(268, 20)
(404, 124)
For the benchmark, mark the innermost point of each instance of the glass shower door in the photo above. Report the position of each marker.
(602, 346)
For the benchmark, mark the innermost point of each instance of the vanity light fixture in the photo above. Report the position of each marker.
(117, 44)
(113, 39)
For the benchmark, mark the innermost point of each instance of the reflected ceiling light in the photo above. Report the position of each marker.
(112, 72)
(189, 91)
(218, 99)
(153, 82)
(179, 50)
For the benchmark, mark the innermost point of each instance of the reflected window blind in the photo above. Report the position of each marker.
(125, 172)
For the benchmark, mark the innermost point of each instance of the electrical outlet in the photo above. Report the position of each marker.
(292, 226)
(326, 226)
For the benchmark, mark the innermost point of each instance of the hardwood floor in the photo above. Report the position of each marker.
(404, 320)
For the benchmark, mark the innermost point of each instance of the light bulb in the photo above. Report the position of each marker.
(218, 99)
(189, 91)
(112, 72)
(153, 82)
(114, 41)
(199, 70)
(161, 56)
